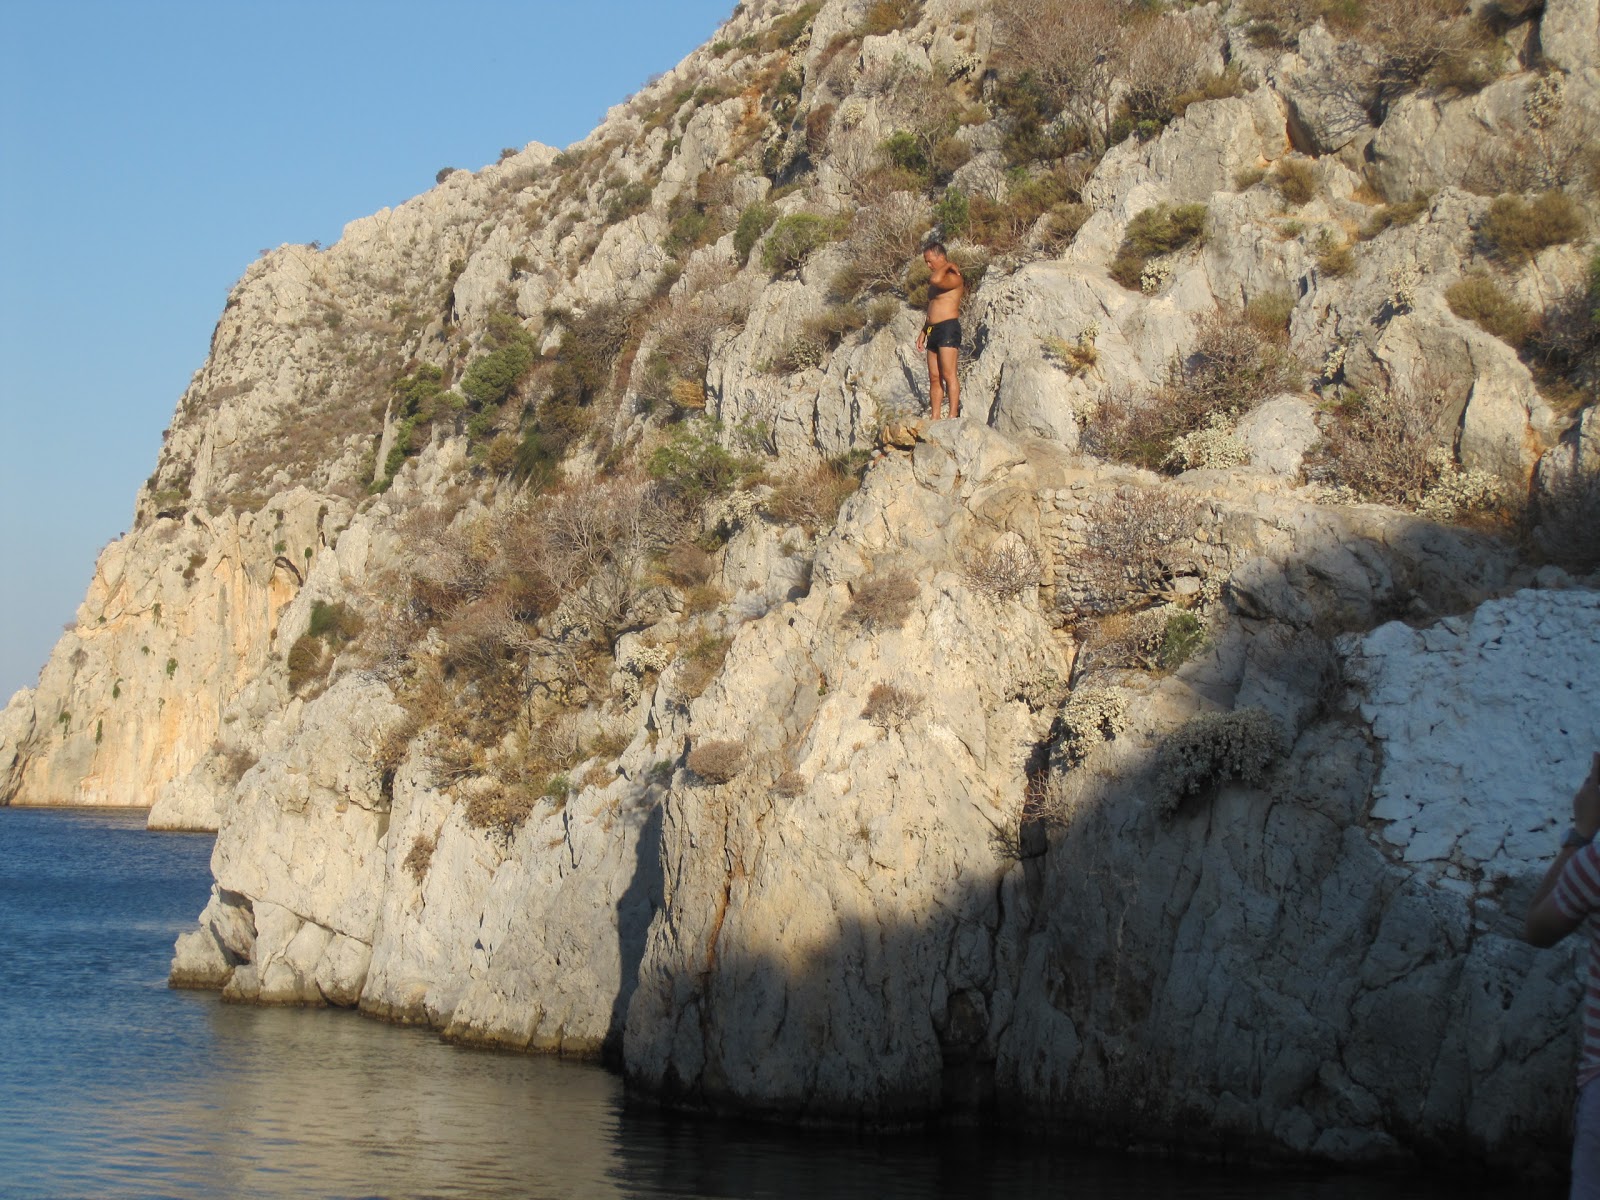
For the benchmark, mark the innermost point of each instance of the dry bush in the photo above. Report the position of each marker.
(818, 337)
(890, 707)
(1138, 540)
(699, 665)
(1214, 748)
(1560, 148)
(1075, 52)
(1233, 367)
(1295, 180)
(886, 16)
(885, 233)
(688, 331)
(309, 662)
(789, 785)
(1514, 229)
(598, 538)
(234, 762)
(717, 761)
(1335, 258)
(686, 566)
(1152, 639)
(1006, 569)
(1392, 216)
(883, 601)
(1268, 314)
(1479, 298)
(812, 499)
(1161, 69)
(420, 857)
(498, 811)
(1381, 444)
(1076, 358)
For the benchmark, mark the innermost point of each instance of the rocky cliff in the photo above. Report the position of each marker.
(551, 598)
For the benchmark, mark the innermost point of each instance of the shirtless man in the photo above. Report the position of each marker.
(941, 336)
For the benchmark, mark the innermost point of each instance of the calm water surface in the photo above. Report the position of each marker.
(111, 1085)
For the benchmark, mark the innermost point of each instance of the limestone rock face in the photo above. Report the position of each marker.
(881, 816)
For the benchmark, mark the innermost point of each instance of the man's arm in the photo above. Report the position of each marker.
(1546, 924)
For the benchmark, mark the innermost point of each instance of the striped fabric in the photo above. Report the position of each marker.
(1577, 895)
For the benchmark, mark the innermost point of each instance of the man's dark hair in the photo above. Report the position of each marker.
(937, 246)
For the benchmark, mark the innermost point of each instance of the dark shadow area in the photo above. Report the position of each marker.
(636, 908)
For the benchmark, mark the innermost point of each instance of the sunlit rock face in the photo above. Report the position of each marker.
(1193, 805)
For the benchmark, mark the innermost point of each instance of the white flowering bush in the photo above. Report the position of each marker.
(1215, 748)
(1155, 275)
(1090, 716)
(1212, 446)
(1455, 492)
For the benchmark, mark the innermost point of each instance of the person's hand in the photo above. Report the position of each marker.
(922, 343)
(1586, 802)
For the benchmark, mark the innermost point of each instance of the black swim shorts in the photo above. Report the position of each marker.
(946, 334)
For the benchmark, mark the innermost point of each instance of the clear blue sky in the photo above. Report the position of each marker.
(149, 149)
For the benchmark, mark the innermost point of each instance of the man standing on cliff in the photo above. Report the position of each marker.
(1569, 897)
(941, 335)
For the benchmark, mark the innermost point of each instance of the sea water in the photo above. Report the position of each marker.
(112, 1085)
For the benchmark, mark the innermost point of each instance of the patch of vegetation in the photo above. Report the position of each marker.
(1163, 229)
(1514, 230)
(1233, 367)
(694, 465)
(717, 761)
(794, 238)
(883, 601)
(1295, 180)
(889, 706)
(1215, 748)
(754, 221)
(812, 499)
(1481, 299)
(1392, 216)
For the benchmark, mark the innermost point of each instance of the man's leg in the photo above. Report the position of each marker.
(949, 367)
(1586, 1144)
(935, 389)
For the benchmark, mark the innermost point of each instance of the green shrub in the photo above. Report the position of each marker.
(953, 213)
(903, 150)
(754, 221)
(794, 237)
(694, 465)
(491, 378)
(1163, 229)
(335, 623)
(1479, 298)
(886, 16)
(789, 30)
(627, 200)
(1182, 638)
(1516, 229)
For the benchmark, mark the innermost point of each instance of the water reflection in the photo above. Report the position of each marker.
(111, 1085)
